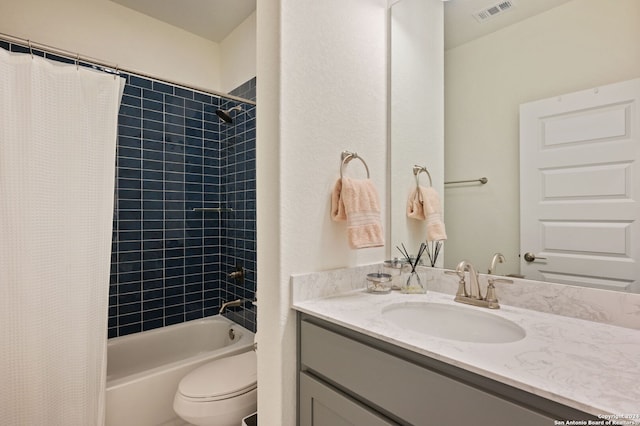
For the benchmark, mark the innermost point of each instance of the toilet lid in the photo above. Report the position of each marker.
(222, 378)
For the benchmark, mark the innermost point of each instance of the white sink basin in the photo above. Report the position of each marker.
(461, 323)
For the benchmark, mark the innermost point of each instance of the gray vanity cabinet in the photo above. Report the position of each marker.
(321, 405)
(347, 378)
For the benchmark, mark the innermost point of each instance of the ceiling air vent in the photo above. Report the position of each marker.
(493, 11)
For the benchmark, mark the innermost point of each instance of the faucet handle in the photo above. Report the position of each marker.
(462, 286)
(491, 298)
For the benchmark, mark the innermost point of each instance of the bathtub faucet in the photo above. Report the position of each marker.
(230, 304)
(238, 274)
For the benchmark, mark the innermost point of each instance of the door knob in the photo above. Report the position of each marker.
(530, 257)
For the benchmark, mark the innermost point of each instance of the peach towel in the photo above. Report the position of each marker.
(356, 202)
(424, 204)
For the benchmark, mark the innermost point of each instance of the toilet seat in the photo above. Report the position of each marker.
(221, 379)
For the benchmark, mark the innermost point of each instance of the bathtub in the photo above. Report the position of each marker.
(144, 369)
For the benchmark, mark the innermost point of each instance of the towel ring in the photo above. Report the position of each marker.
(348, 156)
(416, 172)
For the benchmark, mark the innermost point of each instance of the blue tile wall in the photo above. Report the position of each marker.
(170, 264)
(238, 189)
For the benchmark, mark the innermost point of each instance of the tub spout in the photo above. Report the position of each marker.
(229, 304)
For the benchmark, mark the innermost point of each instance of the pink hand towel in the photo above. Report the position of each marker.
(357, 202)
(415, 209)
(424, 204)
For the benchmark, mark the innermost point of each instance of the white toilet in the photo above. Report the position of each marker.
(219, 393)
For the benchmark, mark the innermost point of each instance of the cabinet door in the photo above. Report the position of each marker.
(320, 405)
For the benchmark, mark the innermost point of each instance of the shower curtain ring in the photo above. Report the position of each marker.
(30, 48)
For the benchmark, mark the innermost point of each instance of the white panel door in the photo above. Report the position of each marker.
(580, 188)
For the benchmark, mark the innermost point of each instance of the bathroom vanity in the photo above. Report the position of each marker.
(347, 376)
(356, 366)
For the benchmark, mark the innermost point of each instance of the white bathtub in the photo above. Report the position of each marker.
(144, 369)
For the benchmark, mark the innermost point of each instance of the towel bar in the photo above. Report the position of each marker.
(347, 156)
(416, 172)
(482, 180)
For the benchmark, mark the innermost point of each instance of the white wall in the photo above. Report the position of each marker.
(575, 46)
(322, 86)
(238, 55)
(108, 31)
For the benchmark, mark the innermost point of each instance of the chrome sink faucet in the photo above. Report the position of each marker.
(474, 295)
(498, 257)
(491, 298)
(474, 284)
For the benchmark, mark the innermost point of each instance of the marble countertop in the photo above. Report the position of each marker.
(586, 365)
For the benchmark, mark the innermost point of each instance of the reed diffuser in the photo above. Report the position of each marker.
(413, 282)
(433, 250)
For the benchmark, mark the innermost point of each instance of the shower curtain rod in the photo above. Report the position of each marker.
(77, 57)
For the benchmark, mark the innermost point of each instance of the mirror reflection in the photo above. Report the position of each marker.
(493, 67)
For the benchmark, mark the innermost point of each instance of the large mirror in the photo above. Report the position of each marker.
(493, 63)
(416, 112)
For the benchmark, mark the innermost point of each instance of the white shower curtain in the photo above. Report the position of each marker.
(58, 128)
